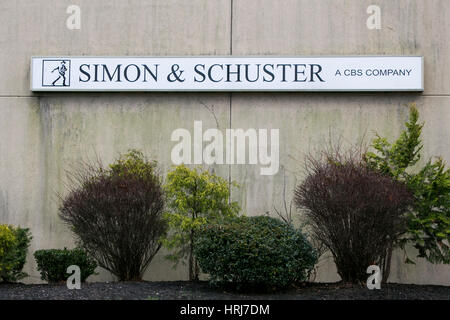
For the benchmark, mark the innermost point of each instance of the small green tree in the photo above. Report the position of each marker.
(194, 198)
(14, 243)
(429, 221)
(133, 163)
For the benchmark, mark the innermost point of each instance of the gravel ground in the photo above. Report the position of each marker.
(202, 291)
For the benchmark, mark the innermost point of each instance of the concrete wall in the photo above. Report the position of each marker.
(41, 135)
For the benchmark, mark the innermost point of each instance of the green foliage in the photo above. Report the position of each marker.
(7, 243)
(429, 224)
(429, 221)
(405, 152)
(53, 263)
(194, 197)
(14, 243)
(19, 255)
(254, 253)
(133, 163)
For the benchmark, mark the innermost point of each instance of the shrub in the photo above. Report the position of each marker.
(357, 212)
(53, 263)
(116, 213)
(429, 221)
(7, 243)
(14, 243)
(194, 198)
(254, 253)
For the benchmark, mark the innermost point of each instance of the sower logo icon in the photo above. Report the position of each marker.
(56, 73)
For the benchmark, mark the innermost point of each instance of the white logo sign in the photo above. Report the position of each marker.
(55, 73)
(358, 73)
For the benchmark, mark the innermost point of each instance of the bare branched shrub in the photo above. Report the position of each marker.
(286, 215)
(116, 213)
(356, 212)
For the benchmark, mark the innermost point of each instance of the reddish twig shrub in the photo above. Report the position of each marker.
(357, 212)
(116, 214)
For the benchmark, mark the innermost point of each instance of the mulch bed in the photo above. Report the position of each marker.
(202, 291)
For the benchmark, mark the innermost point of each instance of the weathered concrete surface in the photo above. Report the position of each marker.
(108, 27)
(41, 135)
(306, 123)
(338, 27)
(56, 131)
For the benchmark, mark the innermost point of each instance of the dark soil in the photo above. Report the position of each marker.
(202, 291)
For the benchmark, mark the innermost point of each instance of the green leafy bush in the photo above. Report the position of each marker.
(194, 198)
(53, 263)
(254, 253)
(14, 243)
(428, 224)
(7, 243)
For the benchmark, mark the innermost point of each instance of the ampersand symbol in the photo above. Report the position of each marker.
(173, 76)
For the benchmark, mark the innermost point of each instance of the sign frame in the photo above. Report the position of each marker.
(64, 57)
